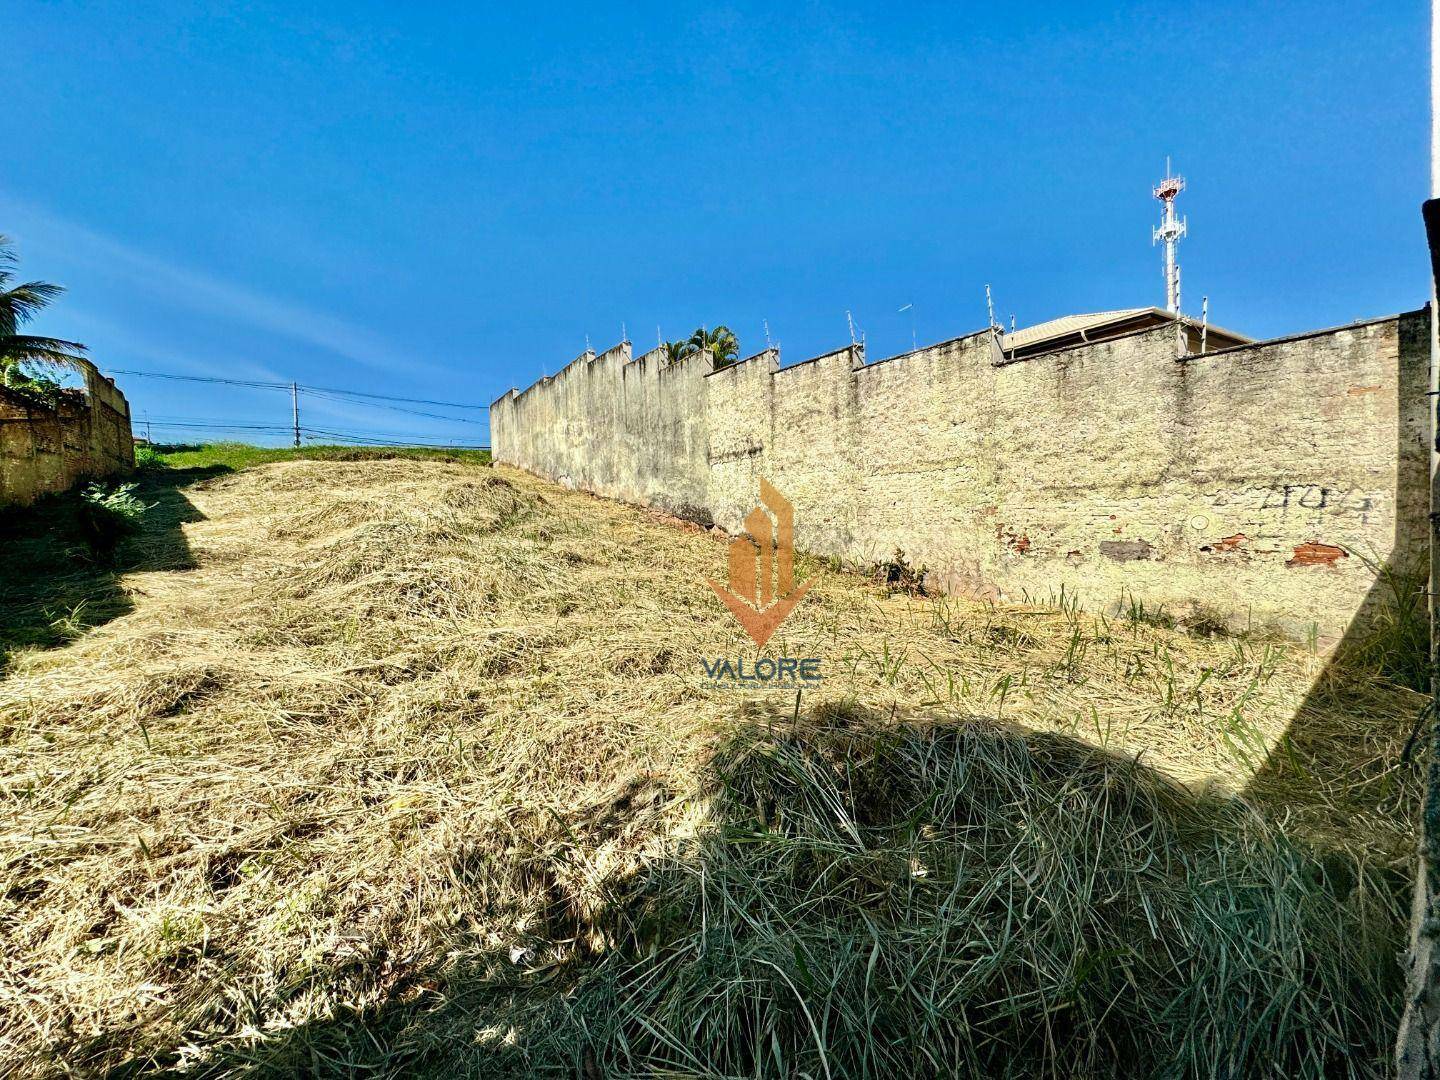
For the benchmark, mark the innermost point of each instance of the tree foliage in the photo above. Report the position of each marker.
(720, 343)
(29, 363)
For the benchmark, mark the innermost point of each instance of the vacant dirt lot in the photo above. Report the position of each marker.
(383, 747)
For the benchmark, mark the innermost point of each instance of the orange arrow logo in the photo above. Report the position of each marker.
(766, 550)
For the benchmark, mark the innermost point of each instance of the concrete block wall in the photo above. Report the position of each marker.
(1265, 482)
(45, 450)
(634, 429)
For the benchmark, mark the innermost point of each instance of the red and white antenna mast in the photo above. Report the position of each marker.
(1170, 231)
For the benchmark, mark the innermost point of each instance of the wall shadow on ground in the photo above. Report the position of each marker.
(1026, 948)
(1353, 726)
(53, 589)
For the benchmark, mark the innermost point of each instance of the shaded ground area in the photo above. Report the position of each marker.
(55, 588)
(417, 771)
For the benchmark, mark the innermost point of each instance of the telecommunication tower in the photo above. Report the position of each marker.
(1170, 230)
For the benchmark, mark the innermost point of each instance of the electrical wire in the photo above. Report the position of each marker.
(163, 418)
(334, 394)
(388, 397)
(298, 386)
(326, 396)
(378, 440)
(197, 378)
(216, 426)
(367, 433)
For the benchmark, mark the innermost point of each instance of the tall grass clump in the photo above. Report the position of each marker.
(107, 516)
(147, 457)
(1394, 640)
(965, 901)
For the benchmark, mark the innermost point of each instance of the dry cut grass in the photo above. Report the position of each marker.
(416, 770)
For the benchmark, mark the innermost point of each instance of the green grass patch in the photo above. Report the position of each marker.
(234, 455)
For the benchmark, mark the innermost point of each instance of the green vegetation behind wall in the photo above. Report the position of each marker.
(239, 455)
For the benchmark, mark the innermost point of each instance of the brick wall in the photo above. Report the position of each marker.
(44, 450)
(1265, 481)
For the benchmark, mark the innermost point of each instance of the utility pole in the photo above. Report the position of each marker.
(295, 412)
(1417, 1046)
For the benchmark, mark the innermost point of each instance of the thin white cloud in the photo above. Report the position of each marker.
(198, 291)
(125, 341)
(334, 414)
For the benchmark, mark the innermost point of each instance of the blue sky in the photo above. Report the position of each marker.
(442, 201)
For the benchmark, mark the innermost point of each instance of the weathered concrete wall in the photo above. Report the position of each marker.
(44, 450)
(633, 429)
(1258, 481)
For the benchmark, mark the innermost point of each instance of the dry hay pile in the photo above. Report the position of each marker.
(408, 726)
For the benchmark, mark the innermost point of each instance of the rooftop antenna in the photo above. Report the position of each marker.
(851, 320)
(624, 334)
(990, 307)
(1171, 229)
(768, 346)
(659, 337)
(911, 309)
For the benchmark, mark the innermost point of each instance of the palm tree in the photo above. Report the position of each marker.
(720, 343)
(18, 305)
(675, 351)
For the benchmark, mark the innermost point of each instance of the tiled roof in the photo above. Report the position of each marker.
(1069, 324)
(1096, 323)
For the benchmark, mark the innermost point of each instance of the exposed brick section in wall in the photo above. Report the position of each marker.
(1311, 553)
(43, 450)
(1112, 468)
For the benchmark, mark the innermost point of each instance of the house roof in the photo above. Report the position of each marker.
(1067, 324)
(1099, 325)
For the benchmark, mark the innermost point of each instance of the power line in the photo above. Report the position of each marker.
(198, 378)
(201, 424)
(317, 390)
(285, 429)
(396, 438)
(313, 435)
(158, 418)
(388, 397)
(328, 396)
(380, 440)
(225, 421)
(367, 433)
(216, 425)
